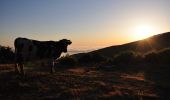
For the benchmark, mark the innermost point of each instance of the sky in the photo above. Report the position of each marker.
(89, 24)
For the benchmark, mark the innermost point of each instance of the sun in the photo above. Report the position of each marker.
(143, 31)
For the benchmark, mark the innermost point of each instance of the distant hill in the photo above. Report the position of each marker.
(155, 42)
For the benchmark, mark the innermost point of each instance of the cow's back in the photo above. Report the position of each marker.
(25, 49)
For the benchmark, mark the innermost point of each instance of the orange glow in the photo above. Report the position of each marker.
(143, 31)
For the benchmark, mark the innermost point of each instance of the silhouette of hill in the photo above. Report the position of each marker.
(155, 42)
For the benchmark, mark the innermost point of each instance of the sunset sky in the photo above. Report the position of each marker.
(89, 24)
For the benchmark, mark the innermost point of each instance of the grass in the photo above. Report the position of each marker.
(84, 83)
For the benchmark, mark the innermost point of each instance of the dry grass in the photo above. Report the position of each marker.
(77, 83)
(6, 66)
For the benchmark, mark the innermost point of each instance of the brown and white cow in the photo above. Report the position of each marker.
(32, 50)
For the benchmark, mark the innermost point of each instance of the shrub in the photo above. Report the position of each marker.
(151, 57)
(85, 58)
(98, 57)
(164, 55)
(68, 60)
(91, 58)
(161, 56)
(127, 57)
(6, 54)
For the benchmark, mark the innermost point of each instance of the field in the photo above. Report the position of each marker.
(93, 82)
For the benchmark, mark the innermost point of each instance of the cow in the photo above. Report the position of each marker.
(32, 50)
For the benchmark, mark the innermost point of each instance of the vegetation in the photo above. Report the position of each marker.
(68, 60)
(164, 55)
(161, 56)
(91, 58)
(6, 54)
(85, 58)
(127, 57)
(151, 57)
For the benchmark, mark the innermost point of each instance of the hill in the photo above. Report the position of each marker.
(83, 80)
(155, 42)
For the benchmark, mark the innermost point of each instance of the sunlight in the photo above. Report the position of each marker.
(143, 31)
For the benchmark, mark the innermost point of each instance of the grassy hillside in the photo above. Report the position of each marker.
(156, 42)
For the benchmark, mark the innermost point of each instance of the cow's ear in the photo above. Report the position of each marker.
(69, 42)
(65, 42)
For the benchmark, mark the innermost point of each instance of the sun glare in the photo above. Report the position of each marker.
(143, 31)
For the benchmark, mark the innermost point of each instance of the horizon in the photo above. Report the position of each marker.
(88, 24)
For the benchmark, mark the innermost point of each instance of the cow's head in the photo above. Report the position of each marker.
(64, 43)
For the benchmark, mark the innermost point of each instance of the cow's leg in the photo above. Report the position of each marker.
(16, 62)
(52, 66)
(21, 65)
(16, 68)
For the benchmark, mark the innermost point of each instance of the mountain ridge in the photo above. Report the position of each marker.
(153, 43)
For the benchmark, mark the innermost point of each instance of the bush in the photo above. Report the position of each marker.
(161, 56)
(127, 57)
(86, 58)
(151, 57)
(68, 60)
(98, 57)
(164, 56)
(91, 58)
(6, 54)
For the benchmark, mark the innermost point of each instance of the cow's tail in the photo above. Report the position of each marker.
(15, 56)
(16, 49)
